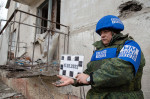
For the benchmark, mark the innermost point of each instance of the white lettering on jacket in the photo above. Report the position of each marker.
(129, 51)
(101, 54)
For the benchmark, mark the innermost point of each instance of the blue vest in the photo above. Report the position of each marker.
(130, 52)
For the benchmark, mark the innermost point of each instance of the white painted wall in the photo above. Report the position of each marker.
(4, 47)
(81, 16)
(138, 27)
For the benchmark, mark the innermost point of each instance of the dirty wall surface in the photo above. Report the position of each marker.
(82, 18)
(8, 93)
(82, 15)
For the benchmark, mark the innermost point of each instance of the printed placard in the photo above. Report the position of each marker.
(71, 65)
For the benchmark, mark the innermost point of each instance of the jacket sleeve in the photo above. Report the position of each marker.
(87, 71)
(114, 72)
(76, 84)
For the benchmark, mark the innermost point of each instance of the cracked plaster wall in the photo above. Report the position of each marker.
(82, 15)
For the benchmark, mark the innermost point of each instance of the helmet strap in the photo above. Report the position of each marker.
(113, 33)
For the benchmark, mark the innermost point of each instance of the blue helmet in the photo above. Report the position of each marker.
(109, 22)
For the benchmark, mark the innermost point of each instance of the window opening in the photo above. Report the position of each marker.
(58, 14)
(43, 12)
(44, 15)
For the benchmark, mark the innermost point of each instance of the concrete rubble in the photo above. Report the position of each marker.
(33, 75)
(8, 93)
(26, 71)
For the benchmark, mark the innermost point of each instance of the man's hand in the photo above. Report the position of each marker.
(64, 81)
(81, 78)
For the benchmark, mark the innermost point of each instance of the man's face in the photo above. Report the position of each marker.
(106, 36)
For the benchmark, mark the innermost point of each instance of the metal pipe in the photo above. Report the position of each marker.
(8, 59)
(64, 43)
(20, 42)
(26, 48)
(49, 35)
(14, 15)
(34, 45)
(68, 40)
(58, 46)
(40, 27)
(19, 47)
(41, 18)
(0, 24)
(11, 17)
(17, 44)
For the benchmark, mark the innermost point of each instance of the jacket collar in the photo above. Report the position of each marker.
(120, 36)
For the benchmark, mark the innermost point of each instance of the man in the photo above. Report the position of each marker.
(116, 67)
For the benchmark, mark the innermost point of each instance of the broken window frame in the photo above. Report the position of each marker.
(58, 13)
(14, 22)
(39, 13)
(53, 15)
(54, 11)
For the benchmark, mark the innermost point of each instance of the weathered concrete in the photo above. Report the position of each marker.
(27, 2)
(37, 87)
(81, 16)
(8, 93)
(84, 17)
(138, 27)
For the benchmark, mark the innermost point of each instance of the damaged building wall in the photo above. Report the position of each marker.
(141, 35)
(137, 25)
(4, 47)
(37, 87)
(81, 17)
(27, 35)
(25, 32)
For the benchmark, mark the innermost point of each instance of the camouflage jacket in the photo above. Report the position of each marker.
(114, 78)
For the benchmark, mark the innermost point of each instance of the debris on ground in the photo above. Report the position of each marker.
(26, 71)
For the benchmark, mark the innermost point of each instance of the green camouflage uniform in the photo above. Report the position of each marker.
(114, 78)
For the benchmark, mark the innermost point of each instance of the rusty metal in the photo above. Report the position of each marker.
(8, 59)
(10, 39)
(34, 44)
(41, 18)
(11, 17)
(20, 42)
(36, 26)
(64, 43)
(14, 13)
(49, 35)
(40, 27)
(58, 47)
(17, 44)
(68, 40)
